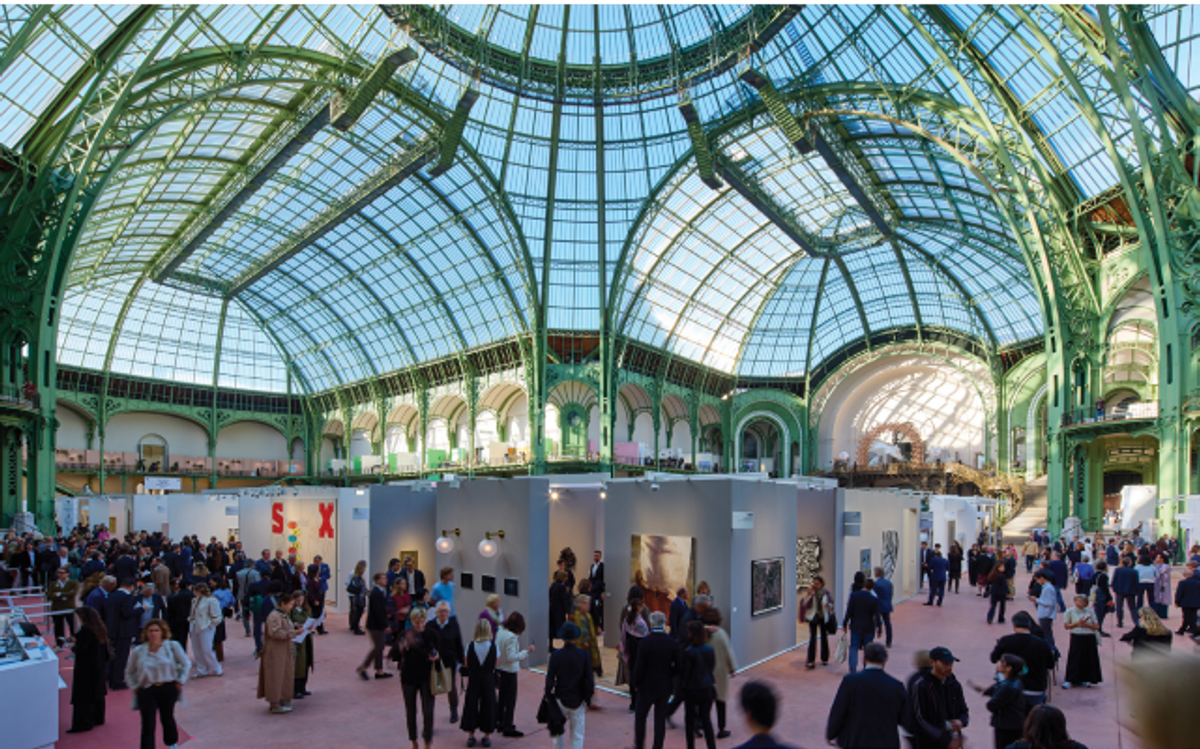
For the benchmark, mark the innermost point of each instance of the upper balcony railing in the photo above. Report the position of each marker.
(1146, 410)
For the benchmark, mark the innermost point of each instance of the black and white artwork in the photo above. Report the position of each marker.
(891, 552)
(766, 585)
(808, 560)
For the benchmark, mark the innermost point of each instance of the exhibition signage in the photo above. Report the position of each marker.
(163, 484)
(743, 521)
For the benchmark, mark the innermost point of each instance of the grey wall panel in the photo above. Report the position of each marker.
(401, 519)
(774, 506)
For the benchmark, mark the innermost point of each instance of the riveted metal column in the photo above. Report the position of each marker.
(10, 472)
(608, 373)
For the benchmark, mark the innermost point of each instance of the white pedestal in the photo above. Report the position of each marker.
(29, 689)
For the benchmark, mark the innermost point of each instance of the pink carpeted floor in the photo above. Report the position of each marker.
(349, 713)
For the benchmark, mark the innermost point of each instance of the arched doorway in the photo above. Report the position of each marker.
(770, 429)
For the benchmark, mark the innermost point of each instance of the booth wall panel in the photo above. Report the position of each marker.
(206, 517)
(700, 509)
(354, 543)
(816, 515)
(755, 638)
(401, 519)
(576, 520)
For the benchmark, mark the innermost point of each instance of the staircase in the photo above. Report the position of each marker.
(1032, 515)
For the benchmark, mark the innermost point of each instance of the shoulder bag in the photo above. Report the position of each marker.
(440, 678)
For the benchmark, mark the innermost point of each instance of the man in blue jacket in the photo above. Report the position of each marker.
(937, 578)
(1125, 587)
(884, 593)
(1187, 597)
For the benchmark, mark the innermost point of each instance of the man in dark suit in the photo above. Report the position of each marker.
(926, 556)
(868, 707)
(376, 626)
(760, 707)
(1125, 588)
(126, 565)
(1187, 597)
(938, 569)
(416, 578)
(861, 609)
(596, 576)
(658, 662)
(93, 565)
(679, 607)
(569, 681)
(150, 605)
(122, 621)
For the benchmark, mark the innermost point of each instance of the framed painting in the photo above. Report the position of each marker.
(661, 565)
(766, 585)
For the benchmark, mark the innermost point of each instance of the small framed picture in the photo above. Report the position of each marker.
(487, 583)
(511, 588)
(466, 580)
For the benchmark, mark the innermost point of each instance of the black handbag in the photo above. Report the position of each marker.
(831, 625)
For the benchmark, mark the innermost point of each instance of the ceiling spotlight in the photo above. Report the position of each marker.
(445, 544)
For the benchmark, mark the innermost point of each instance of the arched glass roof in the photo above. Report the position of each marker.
(341, 254)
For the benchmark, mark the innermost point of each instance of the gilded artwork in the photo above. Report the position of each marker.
(661, 565)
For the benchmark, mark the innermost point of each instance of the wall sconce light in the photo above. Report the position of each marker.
(487, 547)
(445, 544)
(604, 491)
(554, 494)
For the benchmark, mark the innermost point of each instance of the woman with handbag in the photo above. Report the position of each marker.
(277, 664)
(88, 687)
(416, 650)
(816, 609)
(156, 671)
(479, 708)
(203, 621)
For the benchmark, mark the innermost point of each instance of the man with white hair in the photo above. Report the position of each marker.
(450, 650)
(659, 660)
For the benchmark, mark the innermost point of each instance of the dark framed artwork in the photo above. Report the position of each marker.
(511, 587)
(487, 583)
(766, 585)
(466, 580)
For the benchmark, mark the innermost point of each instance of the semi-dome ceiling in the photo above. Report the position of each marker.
(341, 254)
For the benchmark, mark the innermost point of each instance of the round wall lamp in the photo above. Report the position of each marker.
(554, 494)
(489, 548)
(445, 544)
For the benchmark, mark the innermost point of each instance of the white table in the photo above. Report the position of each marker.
(29, 689)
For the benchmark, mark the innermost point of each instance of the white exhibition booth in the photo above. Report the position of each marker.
(29, 685)
(1139, 504)
(955, 519)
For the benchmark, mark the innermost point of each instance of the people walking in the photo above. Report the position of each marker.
(868, 707)
(203, 620)
(377, 624)
(997, 591)
(859, 621)
(1102, 597)
(450, 649)
(1125, 591)
(416, 651)
(724, 665)
(1007, 701)
(658, 661)
(356, 589)
(817, 611)
(157, 670)
(1187, 598)
(634, 628)
(1047, 605)
(479, 702)
(88, 687)
(938, 567)
(277, 662)
(954, 559)
(696, 685)
(884, 593)
(570, 684)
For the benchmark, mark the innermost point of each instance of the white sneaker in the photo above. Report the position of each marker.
(1066, 685)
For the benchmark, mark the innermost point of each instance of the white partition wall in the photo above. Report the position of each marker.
(302, 519)
(148, 512)
(354, 541)
(881, 512)
(205, 515)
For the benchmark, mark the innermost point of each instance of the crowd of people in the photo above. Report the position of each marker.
(130, 608)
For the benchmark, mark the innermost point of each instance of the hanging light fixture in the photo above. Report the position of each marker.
(445, 544)
(489, 548)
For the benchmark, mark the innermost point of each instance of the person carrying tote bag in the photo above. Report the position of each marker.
(841, 652)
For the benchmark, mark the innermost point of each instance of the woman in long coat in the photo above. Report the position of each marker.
(479, 710)
(277, 665)
(91, 657)
(724, 664)
(299, 614)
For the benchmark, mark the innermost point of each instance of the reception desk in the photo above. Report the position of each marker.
(29, 689)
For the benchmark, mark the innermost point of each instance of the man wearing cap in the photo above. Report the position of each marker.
(1038, 657)
(569, 682)
(937, 710)
(869, 706)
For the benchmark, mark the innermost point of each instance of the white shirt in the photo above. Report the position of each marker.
(170, 663)
(508, 651)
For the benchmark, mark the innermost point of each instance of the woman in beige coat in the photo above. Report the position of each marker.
(277, 666)
(724, 665)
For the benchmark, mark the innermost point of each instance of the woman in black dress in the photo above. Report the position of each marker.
(997, 585)
(561, 604)
(91, 657)
(973, 564)
(955, 557)
(479, 710)
(1083, 658)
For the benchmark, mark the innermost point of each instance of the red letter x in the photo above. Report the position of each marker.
(326, 509)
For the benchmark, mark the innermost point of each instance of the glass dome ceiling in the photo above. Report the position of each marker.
(242, 238)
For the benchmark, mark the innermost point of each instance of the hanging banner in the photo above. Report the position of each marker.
(305, 527)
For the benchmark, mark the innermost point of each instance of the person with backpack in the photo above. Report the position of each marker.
(356, 588)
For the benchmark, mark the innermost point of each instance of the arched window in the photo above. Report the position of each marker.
(153, 454)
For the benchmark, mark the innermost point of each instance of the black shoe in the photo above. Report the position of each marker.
(298, 696)
(78, 730)
(512, 733)
(382, 675)
(363, 675)
(485, 742)
(723, 734)
(927, 604)
(306, 693)
(470, 741)
(453, 716)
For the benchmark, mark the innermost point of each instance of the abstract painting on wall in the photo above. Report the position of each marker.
(864, 562)
(808, 560)
(766, 585)
(891, 552)
(661, 565)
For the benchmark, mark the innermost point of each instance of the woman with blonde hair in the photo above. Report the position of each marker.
(156, 672)
(1149, 635)
(492, 614)
(589, 638)
(479, 710)
(416, 650)
(203, 620)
